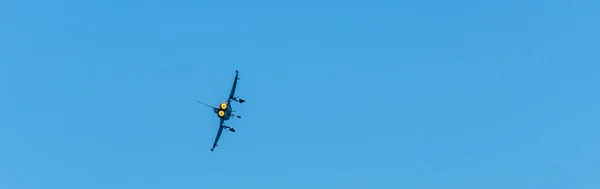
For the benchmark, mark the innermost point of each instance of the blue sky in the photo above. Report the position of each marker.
(340, 94)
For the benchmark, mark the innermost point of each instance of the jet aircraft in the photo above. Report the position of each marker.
(225, 111)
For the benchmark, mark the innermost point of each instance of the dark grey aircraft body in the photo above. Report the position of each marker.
(225, 111)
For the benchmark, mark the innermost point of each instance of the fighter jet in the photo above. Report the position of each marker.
(225, 111)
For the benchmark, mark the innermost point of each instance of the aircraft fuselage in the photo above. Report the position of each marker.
(227, 111)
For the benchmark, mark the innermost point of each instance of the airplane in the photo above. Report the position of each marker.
(225, 111)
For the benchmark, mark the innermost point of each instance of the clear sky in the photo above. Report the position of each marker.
(340, 94)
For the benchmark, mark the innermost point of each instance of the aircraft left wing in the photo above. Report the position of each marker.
(221, 127)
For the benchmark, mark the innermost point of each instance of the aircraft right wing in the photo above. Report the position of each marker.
(221, 127)
(233, 87)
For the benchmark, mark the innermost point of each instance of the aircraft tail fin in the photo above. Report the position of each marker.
(207, 105)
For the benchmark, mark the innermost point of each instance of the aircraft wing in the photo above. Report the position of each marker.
(221, 127)
(233, 87)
